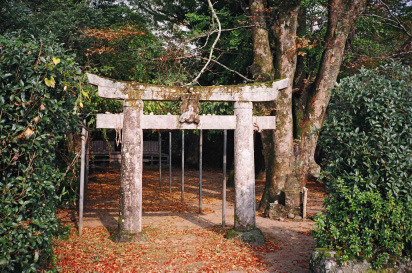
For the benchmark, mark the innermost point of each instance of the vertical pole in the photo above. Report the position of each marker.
(224, 179)
(200, 169)
(245, 201)
(86, 171)
(160, 158)
(130, 217)
(170, 162)
(82, 169)
(305, 201)
(183, 166)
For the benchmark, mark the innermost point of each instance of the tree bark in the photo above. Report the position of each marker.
(280, 174)
(342, 14)
(288, 162)
(262, 67)
(301, 80)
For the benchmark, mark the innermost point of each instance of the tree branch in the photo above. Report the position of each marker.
(213, 45)
(222, 30)
(383, 19)
(396, 19)
(203, 58)
(210, 59)
(231, 70)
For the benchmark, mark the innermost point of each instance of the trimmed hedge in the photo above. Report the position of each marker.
(367, 140)
(38, 96)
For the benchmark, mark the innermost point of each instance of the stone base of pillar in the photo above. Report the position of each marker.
(252, 237)
(131, 237)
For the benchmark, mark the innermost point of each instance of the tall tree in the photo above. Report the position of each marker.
(291, 157)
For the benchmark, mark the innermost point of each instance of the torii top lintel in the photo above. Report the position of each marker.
(256, 92)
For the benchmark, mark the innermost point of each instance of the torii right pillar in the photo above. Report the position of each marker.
(245, 201)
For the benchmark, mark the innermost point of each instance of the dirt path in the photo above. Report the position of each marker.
(180, 239)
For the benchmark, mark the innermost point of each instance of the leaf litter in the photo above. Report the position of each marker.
(169, 248)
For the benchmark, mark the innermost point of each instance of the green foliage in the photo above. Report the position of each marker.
(39, 95)
(110, 38)
(379, 36)
(235, 48)
(367, 139)
(65, 20)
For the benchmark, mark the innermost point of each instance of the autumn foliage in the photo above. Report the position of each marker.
(106, 39)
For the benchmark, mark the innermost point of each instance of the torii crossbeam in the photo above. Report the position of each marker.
(132, 121)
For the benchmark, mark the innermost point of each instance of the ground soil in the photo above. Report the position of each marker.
(179, 238)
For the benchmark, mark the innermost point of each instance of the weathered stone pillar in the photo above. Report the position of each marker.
(245, 203)
(130, 216)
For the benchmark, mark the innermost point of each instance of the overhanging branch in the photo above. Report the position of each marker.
(395, 18)
(219, 31)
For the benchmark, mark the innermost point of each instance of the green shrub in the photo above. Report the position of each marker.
(38, 96)
(367, 140)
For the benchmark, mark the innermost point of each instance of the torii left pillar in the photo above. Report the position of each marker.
(130, 217)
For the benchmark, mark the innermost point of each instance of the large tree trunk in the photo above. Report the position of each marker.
(341, 16)
(280, 176)
(288, 163)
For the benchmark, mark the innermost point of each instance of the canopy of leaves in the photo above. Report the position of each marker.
(367, 140)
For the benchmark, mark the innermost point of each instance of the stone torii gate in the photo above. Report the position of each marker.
(132, 122)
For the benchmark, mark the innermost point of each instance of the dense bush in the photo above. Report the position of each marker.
(367, 139)
(39, 86)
